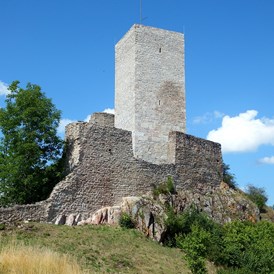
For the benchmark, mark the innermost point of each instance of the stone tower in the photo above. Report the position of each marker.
(150, 89)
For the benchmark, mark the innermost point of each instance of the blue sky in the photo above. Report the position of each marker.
(67, 47)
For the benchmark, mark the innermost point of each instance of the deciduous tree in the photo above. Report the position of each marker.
(30, 149)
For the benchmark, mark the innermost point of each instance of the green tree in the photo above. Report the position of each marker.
(228, 177)
(257, 195)
(30, 150)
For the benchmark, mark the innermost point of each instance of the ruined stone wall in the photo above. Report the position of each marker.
(198, 161)
(19, 213)
(108, 170)
(103, 170)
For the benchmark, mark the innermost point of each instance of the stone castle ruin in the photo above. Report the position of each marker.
(111, 157)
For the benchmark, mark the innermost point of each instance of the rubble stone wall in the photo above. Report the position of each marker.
(19, 213)
(102, 170)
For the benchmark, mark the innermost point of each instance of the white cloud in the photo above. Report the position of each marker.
(208, 117)
(62, 125)
(109, 110)
(267, 160)
(244, 132)
(3, 88)
(87, 118)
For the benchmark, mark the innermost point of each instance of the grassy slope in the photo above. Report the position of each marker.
(101, 249)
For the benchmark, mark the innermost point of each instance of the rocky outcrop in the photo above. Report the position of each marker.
(149, 212)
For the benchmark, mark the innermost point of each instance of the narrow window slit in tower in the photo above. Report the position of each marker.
(160, 50)
(159, 102)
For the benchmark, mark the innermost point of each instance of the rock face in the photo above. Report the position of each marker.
(149, 212)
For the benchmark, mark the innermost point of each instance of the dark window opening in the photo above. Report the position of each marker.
(160, 50)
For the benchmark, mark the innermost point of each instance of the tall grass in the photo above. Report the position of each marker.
(22, 259)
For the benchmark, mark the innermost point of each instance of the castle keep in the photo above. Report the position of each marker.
(150, 89)
(112, 157)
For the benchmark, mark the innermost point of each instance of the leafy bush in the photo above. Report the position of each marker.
(170, 185)
(195, 245)
(181, 224)
(228, 177)
(165, 188)
(126, 221)
(257, 195)
(249, 246)
(241, 247)
(234, 271)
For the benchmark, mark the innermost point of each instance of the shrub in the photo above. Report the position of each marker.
(249, 246)
(165, 187)
(195, 245)
(240, 247)
(170, 185)
(234, 271)
(228, 177)
(180, 224)
(257, 195)
(126, 221)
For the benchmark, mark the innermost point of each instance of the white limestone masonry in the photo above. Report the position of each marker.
(150, 89)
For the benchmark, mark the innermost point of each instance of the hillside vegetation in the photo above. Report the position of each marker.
(99, 249)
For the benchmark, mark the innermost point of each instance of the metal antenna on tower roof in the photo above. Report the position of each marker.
(141, 12)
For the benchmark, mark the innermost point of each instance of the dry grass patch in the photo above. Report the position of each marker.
(22, 259)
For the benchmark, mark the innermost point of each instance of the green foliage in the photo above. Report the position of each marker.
(241, 247)
(30, 149)
(2, 226)
(195, 245)
(234, 271)
(165, 187)
(228, 177)
(253, 243)
(180, 224)
(257, 195)
(170, 185)
(126, 221)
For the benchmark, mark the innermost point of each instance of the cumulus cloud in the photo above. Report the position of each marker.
(109, 110)
(208, 117)
(267, 160)
(62, 125)
(244, 132)
(87, 118)
(3, 88)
